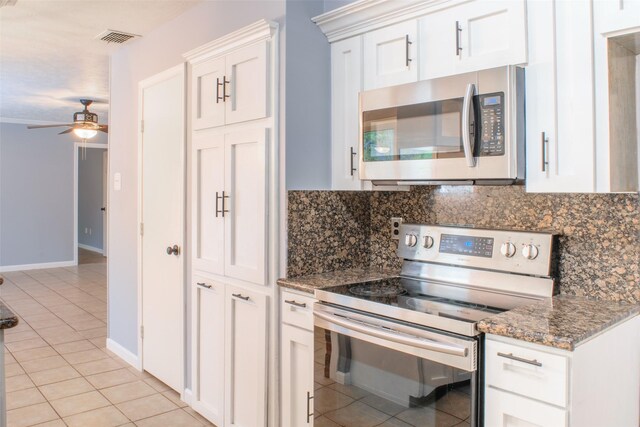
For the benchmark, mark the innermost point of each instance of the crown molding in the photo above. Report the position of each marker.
(260, 30)
(366, 15)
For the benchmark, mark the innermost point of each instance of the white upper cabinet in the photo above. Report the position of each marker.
(245, 205)
(229, 188)
(207, 107)
(560, 97)
(231, 77)
(473, 36)
(390, 55)
(247, 83)
(617, 15)
(346, 84)
(207, 187)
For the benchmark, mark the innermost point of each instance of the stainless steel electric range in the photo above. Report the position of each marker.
(411, 341)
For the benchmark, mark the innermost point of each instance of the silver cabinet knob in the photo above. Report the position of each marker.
(508, 249)
(410, 240)
(530, 251)
(427, 242)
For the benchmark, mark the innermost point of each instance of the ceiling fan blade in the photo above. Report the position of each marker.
(47, 126)
(66, 131)
(104, 128)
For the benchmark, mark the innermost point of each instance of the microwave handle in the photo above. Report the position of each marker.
(468, 125)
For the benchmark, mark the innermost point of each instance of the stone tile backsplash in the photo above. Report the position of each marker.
(599, 243)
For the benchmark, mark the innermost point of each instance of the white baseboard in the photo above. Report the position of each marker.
(90, 248)
(187, 396)
(124, 354)
(6, 268)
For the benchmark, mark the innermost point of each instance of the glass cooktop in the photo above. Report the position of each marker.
(453, 302)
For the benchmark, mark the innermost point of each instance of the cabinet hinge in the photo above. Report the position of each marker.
(142, 126)
(142, 332)
(142, 229)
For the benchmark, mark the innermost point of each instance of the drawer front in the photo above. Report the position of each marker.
(297, 310)
(532, 373)
(504, 409)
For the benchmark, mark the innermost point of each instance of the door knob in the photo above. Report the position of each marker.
(175, 250)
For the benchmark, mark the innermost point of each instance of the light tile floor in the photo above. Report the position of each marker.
(59, 372)
(349, 406)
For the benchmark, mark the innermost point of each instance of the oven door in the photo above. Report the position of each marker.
(375, 370)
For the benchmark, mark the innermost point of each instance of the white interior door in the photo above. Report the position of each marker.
(163, 179)
(105, 195)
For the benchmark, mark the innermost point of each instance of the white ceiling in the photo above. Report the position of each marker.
(50, 58)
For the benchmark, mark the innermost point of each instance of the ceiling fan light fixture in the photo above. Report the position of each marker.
(85, 133)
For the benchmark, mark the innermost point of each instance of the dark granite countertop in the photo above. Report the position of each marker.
(310, 283)
(563, 322)
(7, 318)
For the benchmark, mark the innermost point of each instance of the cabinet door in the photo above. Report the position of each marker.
(207, 106)
(207, 182)
(246, 358)
(245, 205)
(492, 33)
(617, 15)
(297, 377)
(560, 100)
(247, 90)
(346, 84)
(390, 55)
(504, 409)
(208, 301)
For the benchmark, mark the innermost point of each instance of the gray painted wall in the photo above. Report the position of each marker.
(156, 52)
(36, 195)
(90, 197)
(308, 105)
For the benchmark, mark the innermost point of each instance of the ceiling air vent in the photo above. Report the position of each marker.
(112, 36)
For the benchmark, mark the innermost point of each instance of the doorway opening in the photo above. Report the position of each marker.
(90, 211)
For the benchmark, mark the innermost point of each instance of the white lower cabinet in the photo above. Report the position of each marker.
(229, 353)
(297, 377)
(297, 359)
(245, 358)
(510, 410)
(595, 385)
(208, 301)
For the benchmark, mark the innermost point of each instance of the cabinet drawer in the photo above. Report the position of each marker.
(504, 409)
(507, 368)
(297, 310)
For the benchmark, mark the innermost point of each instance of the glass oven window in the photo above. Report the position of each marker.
(358, 383)
(429, 130)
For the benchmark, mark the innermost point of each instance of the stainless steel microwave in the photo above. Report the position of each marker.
(464, 129)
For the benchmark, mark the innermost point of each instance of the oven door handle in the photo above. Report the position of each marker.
(468, 125)
(393, 336)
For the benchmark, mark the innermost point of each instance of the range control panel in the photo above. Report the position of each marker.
(501, 250)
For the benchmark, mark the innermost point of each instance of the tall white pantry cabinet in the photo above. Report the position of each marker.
(233, 202)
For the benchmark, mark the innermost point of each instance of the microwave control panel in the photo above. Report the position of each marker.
(492, 114)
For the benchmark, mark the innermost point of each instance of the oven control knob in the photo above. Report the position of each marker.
(427, 242)
(410, 240)
(530, 251)
(508, 249)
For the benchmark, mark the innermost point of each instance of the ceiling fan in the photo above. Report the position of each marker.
(85, 123)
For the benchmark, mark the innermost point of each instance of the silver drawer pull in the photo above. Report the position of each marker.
(204, 285)
(297, 304)
(242, 297)
(533, 362)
